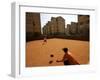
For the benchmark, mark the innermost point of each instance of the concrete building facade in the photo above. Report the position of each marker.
(55, 26)
(60, 25)
(83, 25)
(80, 28)
(74, 28)
(33, 24)
(68, 29)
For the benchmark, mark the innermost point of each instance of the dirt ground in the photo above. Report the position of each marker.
(38, 54)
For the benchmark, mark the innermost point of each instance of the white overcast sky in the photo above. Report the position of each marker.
(47, 17)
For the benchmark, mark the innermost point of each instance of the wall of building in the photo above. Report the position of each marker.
(68, 29)
(55, 26)
(61, 25)
(33, 24)
(81, 28)
(83, 24)
(74, 28)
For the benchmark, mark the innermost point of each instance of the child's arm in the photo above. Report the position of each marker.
(62, 60)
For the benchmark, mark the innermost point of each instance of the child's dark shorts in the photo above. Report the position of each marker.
(66, 62)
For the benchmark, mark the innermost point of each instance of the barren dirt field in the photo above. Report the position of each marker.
(38, 54)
